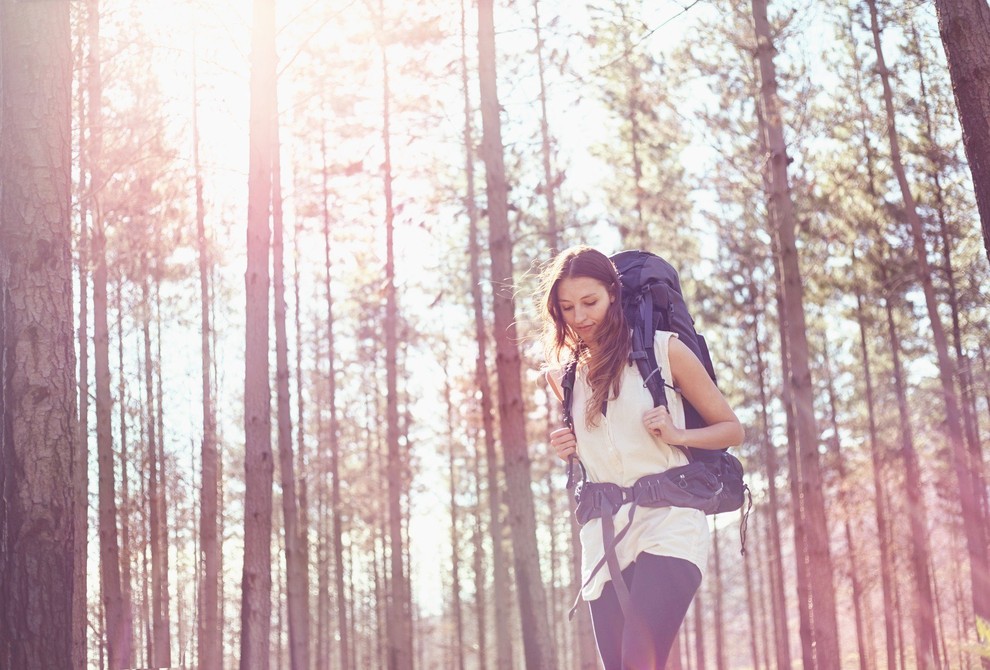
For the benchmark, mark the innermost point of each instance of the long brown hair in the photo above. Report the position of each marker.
(560, 342)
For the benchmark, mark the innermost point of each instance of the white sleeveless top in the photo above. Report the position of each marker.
(621, 450)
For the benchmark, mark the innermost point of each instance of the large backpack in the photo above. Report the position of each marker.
(652, 300)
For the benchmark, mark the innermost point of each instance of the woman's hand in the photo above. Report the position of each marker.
(659, 422)
(564, 443)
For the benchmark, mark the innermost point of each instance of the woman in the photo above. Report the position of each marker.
(663, 554)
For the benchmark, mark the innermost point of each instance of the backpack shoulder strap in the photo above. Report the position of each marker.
(567, 389)
(642, 350)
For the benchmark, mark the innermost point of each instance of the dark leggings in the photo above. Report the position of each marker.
(661, 588)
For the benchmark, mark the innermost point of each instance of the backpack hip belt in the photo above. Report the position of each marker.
(692, 485)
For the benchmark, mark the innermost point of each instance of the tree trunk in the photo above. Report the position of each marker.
(117, 621)
(302, 461)
(478, 561)
(717, 589)
(549, 181)
(500, 576)
(124, 512)
(699, 631)
(159, 619)
(334, 430)
(256, 580)
(838, 462)
(537, 644)
(38, 430)
(878, 458)
(80, 463)
(455, 552)
(162, 533)
(968, 466)
(965, 29)
(923, 614)
(296, 545)
(778, 598)
(879, 493)
(209, 633)
(825, 626)
(400, 643)
(752, 596)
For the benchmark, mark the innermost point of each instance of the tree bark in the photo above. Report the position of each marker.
(500, 575)
(923, 611)
(778, 598)
(838, 463)
(965, 29)
(117, 625)
(38, 429)
(125, 509)
(825, 626)
(400, 642)
(165, 655)
(80, 464)
(717, 594)
(302, 460)
(537, 641)
(296, 546)
(209, 633)
(334, 430)
(478, 562)
(256, 580)
(968, 466)
(159, 617)
(455, 552)
(549, 181)
(879, 493)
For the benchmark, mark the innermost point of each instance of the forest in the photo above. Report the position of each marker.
(272, 389)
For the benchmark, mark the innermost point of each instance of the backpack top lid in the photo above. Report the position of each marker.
(641, 268)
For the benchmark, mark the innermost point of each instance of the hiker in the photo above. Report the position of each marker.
(663, 554)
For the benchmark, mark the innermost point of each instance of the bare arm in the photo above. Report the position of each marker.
(723, 429)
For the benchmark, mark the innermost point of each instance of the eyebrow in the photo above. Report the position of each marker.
(584, 297)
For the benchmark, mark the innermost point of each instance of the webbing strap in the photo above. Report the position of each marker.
(610, 542)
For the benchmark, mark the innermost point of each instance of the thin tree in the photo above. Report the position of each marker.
(965, 29)
(400, 642)
(500, 574)
(161, 533)
(923, 610)
(209, 633)
(812, 504)
(296, 545)
(537, 641)
(159, 643)
(80, 466)
(549, 181)
(333, 440)
(38, 389)
(838, 462)
(117, 625)
(878, 459)
(256, 580)
(455, 541)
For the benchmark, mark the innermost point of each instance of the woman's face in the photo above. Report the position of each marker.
(583, 302)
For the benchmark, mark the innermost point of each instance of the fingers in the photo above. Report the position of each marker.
(563, 442)
(658, 421)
